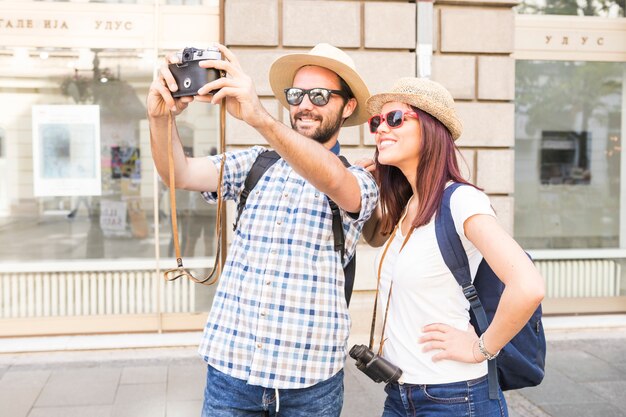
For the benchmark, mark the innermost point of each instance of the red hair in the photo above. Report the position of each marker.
(437, 165)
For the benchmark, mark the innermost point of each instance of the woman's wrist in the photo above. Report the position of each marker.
(483, 350)
(478, 357)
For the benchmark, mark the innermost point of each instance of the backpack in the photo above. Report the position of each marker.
(262, 163)
(521, 362)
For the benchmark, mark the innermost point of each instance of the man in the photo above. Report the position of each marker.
(277, 331)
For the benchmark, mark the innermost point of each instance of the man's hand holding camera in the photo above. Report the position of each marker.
(237, 88)
(160, 101)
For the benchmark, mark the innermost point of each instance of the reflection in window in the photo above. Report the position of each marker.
(564, 158)
(604, 8)
(83, 224)
(568, 132)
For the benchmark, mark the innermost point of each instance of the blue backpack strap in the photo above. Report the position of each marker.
(455, 258)
(261, 164)
(340, 242)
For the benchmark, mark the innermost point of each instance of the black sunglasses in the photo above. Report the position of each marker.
(394, 119)
(318, 96)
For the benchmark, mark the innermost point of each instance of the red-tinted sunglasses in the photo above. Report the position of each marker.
(394, 119)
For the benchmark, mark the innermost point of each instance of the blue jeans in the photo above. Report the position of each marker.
(225, 396)
(457, 399)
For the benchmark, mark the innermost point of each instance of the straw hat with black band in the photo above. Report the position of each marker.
(327, 56)
(426, 95)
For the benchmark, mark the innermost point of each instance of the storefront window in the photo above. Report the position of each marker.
(604, 8)
(81, 189)
(85, 183)
(168, 2)
(84, 220)
(3, 177)
(568, 171)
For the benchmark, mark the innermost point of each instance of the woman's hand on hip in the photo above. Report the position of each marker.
(451, 343)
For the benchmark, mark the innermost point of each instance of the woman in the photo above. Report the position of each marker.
(427, 331)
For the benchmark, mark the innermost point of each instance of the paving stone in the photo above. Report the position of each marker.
(141, 393)
(556, 388)
(584, 410)
(609, 350)
(519, 406)
(144, 374)
(588, 368)
(621, 368)
(363, 397)
(17, 402)
(88, 411)
(85, 386)
(186, 382)
(105, 385)
(19, 391)
(612, 391)
(183, 408)
(139, 409)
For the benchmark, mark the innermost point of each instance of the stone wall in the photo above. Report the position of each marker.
(472, 46)
(259, 31)
(473, 43)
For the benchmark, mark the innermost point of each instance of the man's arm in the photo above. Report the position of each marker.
(308, 158)
(194, 174)
(314, 162)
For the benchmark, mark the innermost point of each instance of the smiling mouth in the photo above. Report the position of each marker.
(307, 119)
(385, 143)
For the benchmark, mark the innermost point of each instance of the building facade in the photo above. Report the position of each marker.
(84, 219)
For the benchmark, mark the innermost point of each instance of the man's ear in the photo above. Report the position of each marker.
(349, 108)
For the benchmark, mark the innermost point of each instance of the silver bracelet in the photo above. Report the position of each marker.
(483, 351)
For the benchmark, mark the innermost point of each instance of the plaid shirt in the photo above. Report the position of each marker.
(279, 317)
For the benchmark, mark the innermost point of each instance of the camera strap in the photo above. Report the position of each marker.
(180, 270)
(380, 267)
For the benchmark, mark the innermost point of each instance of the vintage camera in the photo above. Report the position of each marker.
(189, 75)
(377, 368)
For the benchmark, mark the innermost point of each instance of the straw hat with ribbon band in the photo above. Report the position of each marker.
(426, 95)
(284, 69)
(180, 271)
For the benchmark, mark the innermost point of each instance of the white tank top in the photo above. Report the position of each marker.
(425, 292)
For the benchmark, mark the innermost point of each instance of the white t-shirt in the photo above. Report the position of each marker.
(425, 292)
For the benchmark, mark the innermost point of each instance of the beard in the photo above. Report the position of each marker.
(324, 132)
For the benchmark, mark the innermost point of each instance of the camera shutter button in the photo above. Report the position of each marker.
(187, 82)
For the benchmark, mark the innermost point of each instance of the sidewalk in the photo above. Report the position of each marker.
(84, 376)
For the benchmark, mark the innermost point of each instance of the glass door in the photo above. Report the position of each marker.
(3, 177)
(570, 179)
(85, 223)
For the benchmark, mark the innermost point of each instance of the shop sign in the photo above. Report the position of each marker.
(104, 26)
(570, 38)
(575, 40)
(113, 217)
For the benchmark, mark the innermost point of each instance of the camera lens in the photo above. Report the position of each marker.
(362, 353)
(356, 351)
(187, 56)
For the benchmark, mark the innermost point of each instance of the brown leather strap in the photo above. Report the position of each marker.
(180, 270)
(172, 186)
(380, 266)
